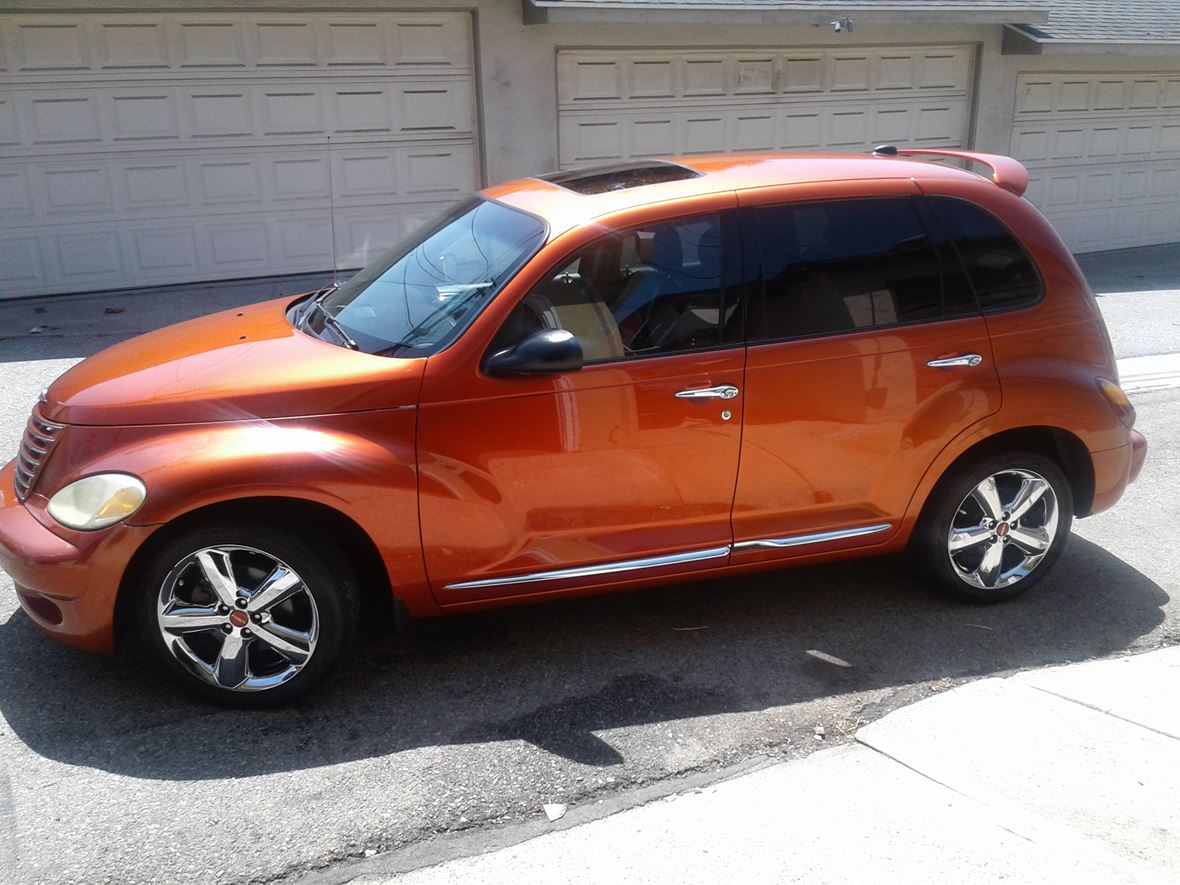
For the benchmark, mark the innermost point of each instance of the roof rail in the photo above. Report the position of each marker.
(1006, 173)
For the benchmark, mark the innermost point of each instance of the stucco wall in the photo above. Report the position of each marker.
(518, 78)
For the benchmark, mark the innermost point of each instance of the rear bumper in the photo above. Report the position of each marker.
(1138, 454)
(1115, 469)
(66, 582)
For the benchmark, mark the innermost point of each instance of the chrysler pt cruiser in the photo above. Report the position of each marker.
(576, 383)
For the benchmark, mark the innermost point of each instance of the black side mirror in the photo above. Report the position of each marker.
(541, 353)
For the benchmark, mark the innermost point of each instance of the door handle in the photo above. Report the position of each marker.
(725, 391)
(952, 362)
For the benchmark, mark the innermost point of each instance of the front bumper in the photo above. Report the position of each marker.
(66, 581)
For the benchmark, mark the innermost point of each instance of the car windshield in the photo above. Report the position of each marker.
(419, 296)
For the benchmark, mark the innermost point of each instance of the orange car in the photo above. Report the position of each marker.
(575, 383)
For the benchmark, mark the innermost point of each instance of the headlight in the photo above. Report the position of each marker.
(98, 501)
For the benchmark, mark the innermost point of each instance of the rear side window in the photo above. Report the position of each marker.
(843, 265)
(1001, 271)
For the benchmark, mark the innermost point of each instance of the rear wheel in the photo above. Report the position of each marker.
(995, 527)
(247, 615)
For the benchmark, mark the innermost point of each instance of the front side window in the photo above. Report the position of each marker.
(843, 265)
(650, 290)
(1001, 271)
(419, 296)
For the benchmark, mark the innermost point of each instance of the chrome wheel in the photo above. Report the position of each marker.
(238, 618)
(1003, 529)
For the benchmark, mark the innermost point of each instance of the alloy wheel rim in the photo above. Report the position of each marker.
(1003, 529)
(238, 618)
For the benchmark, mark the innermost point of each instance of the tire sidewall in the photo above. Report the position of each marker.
(929, 550)
(326, 575)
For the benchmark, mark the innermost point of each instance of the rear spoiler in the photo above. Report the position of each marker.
(1006, 173)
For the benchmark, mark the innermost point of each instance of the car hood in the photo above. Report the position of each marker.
(235, 365)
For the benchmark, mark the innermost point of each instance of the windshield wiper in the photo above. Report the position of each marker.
(332, 323)
(317, 304)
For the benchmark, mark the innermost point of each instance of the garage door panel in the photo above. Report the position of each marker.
(121, 118)
(164, 185)
(1097, 139)
(150, 149)
(587, 137)
(619, 76)
(1059, 96)
(1103, 153)
(246, 244)
(245, 42)
(10, 130)
(616, 104)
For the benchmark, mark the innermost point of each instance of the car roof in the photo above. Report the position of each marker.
(564, 207)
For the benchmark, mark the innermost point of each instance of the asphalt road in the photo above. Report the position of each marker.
(457, 733)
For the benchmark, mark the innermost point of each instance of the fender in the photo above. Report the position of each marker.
(1007, 420)
(361, 464)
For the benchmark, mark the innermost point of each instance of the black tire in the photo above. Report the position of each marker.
(953, 505)
(324, 607)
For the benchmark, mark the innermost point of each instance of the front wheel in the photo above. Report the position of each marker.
(995, 527)
(246, 615)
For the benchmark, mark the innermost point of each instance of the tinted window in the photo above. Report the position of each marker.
(849, 264)
(1000, 269)
(654, 289)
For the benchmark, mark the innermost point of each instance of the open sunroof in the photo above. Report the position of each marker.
(619, 176)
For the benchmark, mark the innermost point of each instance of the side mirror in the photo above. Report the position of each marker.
(541, 353)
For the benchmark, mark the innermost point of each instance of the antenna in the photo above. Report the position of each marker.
(332, 209)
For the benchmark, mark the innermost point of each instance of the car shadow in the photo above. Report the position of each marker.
(559, 675)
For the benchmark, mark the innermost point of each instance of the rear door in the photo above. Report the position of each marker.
(867, 354)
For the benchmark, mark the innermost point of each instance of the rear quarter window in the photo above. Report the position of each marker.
(843, 265)
(1001, 271)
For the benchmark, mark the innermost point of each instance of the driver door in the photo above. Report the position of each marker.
(622, 470)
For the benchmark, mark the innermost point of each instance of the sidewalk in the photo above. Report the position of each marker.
(1067, 774)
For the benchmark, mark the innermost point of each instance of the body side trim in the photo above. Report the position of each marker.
(589, 571)
(800, 540)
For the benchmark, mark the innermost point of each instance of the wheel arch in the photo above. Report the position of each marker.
(380, 610)
(1066, 449)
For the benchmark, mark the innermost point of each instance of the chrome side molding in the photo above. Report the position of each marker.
(629, 565)
(590, 571)
(800, 540)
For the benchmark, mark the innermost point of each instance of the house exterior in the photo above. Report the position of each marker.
(156, 142)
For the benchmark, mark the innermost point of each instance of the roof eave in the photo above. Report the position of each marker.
(1019, 41)
(623, 12)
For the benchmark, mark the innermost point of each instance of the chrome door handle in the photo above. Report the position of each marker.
(725, 391)
(951, 362)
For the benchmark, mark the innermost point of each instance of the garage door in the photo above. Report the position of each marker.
(643, 103)
(1103, 152)
(148, 149)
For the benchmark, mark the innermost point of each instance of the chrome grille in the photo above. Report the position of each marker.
(35, 447)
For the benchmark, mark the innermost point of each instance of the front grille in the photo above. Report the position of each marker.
(38, 441)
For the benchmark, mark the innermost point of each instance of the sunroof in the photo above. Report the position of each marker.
(619, 176)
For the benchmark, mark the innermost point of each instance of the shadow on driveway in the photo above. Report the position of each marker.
(557, 674)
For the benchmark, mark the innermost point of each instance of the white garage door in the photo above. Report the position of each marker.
(1103, 152)
(643, 103)
(148, 149)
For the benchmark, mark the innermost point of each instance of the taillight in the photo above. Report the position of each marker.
(1119, 401)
